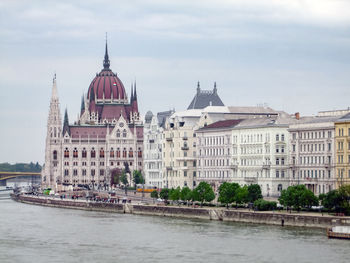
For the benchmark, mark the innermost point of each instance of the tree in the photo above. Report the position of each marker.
(241, 195)
(344, 192)
(298, 196)
(227, 192)
(154, 194)
(203, 192)
(186, 194)
(254, 193)
(164, 193)
(137, 177)
(174, 194)
(124, 178)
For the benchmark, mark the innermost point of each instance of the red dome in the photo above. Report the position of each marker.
(106, 85)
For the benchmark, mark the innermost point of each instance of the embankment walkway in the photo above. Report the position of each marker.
(280, 218)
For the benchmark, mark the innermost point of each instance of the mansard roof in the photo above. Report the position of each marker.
(162, 116)
(346, 117)
(221, 124)
(204, 98)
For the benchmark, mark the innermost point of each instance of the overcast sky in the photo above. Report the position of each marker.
(291, 54)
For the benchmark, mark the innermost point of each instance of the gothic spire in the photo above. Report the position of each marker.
(54, 88)
(106, 63)
(66, 123)
(131, 94)
(135, 94)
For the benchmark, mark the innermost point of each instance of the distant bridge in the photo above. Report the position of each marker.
(10, 175)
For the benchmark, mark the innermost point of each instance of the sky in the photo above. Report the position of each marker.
(292, 55)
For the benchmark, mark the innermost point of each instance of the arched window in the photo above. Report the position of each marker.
(55, 132)
(279, 188)
(111, 153)
(84, 153)
(93, 153)
(118, 133)
(277, 137)
(66, 153)
(124, 133)
(55, 155)
(124, 153)
(118, 152)
(102, 153)
(139, 153)
(75, 153)
(131, 153)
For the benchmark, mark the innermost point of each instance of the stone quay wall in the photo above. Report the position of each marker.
(222, 214)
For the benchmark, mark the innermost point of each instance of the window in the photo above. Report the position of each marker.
(282, 137)
(92, 172)
(75, 172)
(185, 163)
(66, 172)
(277, 174)
(75, 153)
(102, 153)
(111, 153)
(194, 174)
(66, 153)
(279, 188)
(282, 161)
(102, 172)
(93, 153)
(293, 147)
(131, 155)
(118, 153)
(124, 152)
(139, 153)
(282, 174)
(185, 173)
(118, 133)
(83, 153)
(277, 137)
(124, 133)
(277, 161)
(84, 172)
(55, 155)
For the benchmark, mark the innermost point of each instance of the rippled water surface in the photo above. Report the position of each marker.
(31, 233)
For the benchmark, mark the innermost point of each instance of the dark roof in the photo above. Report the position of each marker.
(346, 117)
(204, 98)
(222, 124)
(161, 116)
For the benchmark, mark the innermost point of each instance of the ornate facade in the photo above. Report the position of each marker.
(107, 137)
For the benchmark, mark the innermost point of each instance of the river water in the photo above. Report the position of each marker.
(30, 233)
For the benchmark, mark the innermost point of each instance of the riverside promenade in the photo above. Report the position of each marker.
(280, 218)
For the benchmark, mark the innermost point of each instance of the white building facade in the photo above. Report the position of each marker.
(312, 153)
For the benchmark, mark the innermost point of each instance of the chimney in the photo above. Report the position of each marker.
(297, 115)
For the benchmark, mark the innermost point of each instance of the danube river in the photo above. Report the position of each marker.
(31, 233)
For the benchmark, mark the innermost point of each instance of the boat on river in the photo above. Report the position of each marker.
(342, 232)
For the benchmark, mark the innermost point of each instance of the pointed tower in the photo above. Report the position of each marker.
(134, 101)
(82, 106)
(65, 124)
(53, 141)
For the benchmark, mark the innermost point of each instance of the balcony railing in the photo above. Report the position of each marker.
(184, 148)
(169, 139)
(266, 166)
(234, 166)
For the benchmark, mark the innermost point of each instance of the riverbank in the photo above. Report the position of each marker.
(234, 215)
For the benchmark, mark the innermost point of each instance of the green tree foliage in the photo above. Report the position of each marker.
(124, 178)
(241, 195)
(227, 192)
(298, 196)
(21, 167)
(263, 205)
(137, 177)
(337, 200)
(203, 192)
(174, 194)
(254, 193)
(154, 194)
(164, 193)
(186, 194)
